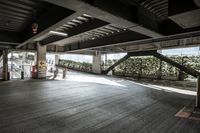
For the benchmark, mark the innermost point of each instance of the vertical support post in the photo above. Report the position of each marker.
(41, 61)
(106, 59)
(106, 62)
(181, 75)
(125, 68)
(96, 64)
(22, 64)
(198, 92)
(160, 70)
(35, 59)
(160, 66)
(141, 67)
(57, 57)
(5, 65)
(12, 59)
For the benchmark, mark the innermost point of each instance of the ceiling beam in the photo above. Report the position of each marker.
(9, 37)
(80, 28)
(173, 41)
(43, 34)
(115, 37)
(8, 45)
(81, 6)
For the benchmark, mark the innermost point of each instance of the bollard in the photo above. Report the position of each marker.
(64, 73)
(22, 74)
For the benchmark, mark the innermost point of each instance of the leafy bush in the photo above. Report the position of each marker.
(152, 67)
(81, 66)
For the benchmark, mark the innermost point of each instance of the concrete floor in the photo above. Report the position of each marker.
(86, 103)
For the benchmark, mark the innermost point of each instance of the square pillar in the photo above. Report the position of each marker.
(57, 57)
(5, 65)
(96, 63)
(41, 62)
(198, 93)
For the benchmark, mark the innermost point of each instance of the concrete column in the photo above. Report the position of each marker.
(160, 70)
(12, 58)
(23, 60)
(106, 61)
(141, 68)
(198, 92)
(5, 65)
(41, 61)
(96, 63)
(57, 57)
(35, 59)
(181, 74)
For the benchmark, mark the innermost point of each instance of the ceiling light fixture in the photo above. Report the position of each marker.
(58, 33)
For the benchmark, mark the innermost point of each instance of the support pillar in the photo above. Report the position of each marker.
(181, 75)
(160, 70)
(141, 68)
(198, 92)
(96, 63)
(35, 59)
(12, 59)
(57, 57)
(5, 65)
(41, 61)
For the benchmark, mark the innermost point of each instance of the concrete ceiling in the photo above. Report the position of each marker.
(89, 25)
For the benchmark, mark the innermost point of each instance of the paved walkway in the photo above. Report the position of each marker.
(85, 103)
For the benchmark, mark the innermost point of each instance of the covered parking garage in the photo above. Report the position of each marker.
(94, 102)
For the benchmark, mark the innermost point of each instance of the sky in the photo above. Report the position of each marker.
(182, 51)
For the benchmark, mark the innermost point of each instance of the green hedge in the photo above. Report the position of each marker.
(81, 66)
(152, 67)
(142, 66)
